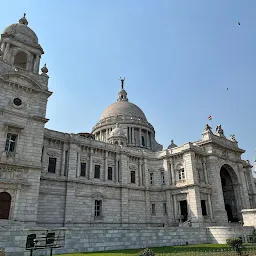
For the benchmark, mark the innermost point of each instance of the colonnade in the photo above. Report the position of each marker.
(136, 136)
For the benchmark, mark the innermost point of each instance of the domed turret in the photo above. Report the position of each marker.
(21, 31)
(172, 145)
(118, 136)
(20, 47)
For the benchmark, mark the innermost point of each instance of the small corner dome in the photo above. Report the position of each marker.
(117, 132)
(172, 145)
(22, 32)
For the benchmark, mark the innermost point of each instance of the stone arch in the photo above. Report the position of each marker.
(5, 205)
(29, 58)
(20, 60)
(230, 190)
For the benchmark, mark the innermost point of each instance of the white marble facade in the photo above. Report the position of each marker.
(115, 176)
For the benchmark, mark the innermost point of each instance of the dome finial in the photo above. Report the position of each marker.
(23, 20)
(122, 82)
(44, 69)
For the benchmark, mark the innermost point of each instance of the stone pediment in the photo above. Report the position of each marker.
(21, 81)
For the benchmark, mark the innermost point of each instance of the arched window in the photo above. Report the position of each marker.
(116, 142)
(20, 60)
(143, 141)
(5, 205)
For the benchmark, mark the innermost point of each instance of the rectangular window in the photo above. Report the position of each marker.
(97, 172)
(181, 174)
(133, 177)
(153, 209)
(203, 206)
(98, 208)
(10, 144)
(200, 175)
(110, 173)
(52, 164)
(162, 178)
(164, 209)
(83, 170)
(151, 178)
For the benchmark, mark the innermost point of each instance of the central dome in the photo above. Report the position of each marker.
(123, 108)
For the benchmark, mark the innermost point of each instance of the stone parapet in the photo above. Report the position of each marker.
(13, 239)
(249, 217)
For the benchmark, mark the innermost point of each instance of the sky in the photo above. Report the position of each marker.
(178, 58)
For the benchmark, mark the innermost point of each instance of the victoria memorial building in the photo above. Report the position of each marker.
(116, 175)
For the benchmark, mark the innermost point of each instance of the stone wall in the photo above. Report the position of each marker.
(249, 217)
(13, 239)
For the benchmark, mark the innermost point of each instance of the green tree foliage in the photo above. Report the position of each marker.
(236, 244)
(146, 252)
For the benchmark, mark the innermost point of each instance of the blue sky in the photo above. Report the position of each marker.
(178, 57)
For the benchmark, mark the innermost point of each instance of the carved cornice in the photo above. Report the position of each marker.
(53, 154)
(133, 167)
(97, 161)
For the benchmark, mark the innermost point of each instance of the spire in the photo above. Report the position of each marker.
(122, 82)
(23, 20)
(122, 95)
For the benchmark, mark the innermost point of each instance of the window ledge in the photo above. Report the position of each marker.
(98, 218)
(10, 154)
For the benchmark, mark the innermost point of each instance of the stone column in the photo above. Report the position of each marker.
(218, 205)
(140, 174)
(124, 191)
(100, 135)
(140, 140)
(132, 136)
(90, 174)
(210, 205)
(72, 161)
(116, 169)
(146, 174)
(69, 204)
(36, 64)
(172, 172)
(169, 207)
(16, 212)
(195, 206)
(106, 165)
(175, 208)
(244, 190)
(151, 139)
(167, 174)
(148, 145)
(6, 50)
(63, 161)
(205, 171)
(147, 207)
(78, 165)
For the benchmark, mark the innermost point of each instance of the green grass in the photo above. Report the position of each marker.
(162, 250)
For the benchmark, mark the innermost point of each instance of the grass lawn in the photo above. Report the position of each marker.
(161, 250)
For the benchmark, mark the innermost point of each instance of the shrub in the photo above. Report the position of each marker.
(236, 244)
(146, 252)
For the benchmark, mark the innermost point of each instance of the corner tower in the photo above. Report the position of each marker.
(23, 99)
